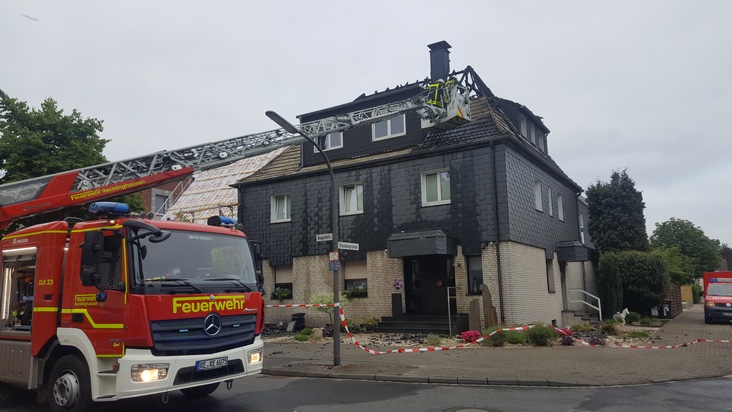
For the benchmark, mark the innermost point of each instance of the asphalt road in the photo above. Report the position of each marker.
(272, 394)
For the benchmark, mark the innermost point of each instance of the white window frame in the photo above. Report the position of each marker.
(273, 208)
(538, 203)
(551, 206)
(560, 207)
(389, 133)
(344, 201)
(328, 142)
(440, 199)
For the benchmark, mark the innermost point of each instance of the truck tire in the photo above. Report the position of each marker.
(69, 387)
(200, 391)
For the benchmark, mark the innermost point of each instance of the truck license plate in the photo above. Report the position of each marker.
(207, 364)
(727, 313)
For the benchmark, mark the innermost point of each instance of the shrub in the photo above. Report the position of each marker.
(610, 327)
(433, 340)
(596, 341)
(638, 334)
(541, 335)
(645, 321)
(515, 337)
(306, 331)
(496, 340)
(567, 340)
(370, 323)
(327, 298)
(301, 338)
(470, 336)
(696, 293)
(632, 317)
(610, 283)
(581, 327)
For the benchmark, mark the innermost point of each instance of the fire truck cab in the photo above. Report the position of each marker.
(124, 307)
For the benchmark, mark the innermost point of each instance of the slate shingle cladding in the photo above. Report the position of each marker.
(392, 193)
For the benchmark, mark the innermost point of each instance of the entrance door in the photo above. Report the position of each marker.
(426, 279)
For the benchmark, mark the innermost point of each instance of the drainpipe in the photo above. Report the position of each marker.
(496, 233)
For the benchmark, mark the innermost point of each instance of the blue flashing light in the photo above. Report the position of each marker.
(227, 220)
(720, 280)
(109, 208)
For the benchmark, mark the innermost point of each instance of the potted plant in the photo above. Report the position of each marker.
(282, 293)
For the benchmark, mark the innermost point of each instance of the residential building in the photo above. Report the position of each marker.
(475, 209)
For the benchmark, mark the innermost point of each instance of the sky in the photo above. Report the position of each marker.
(644, 86)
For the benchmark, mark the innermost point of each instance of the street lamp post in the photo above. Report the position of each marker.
(334, 222)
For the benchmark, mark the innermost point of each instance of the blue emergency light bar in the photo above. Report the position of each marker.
(720, 280)
(109, 209)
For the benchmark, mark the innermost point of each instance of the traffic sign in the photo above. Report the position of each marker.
(323, 237)
(347, 246)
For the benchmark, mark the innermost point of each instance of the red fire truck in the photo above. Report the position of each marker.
(123, 307)
(717, 296)
(126, 306)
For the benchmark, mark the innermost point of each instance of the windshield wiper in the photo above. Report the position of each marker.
(180, 281)
(235, 281)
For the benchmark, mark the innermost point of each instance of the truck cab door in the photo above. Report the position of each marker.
(99, 304)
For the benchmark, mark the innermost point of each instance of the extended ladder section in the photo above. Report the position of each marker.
(441, 104)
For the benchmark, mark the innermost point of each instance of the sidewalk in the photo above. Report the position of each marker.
(577, 365)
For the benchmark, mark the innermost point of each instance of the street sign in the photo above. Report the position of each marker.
(323, 237)
(347, 246)
(333, 256)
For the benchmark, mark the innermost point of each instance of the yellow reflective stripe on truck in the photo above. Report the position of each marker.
(91, 321)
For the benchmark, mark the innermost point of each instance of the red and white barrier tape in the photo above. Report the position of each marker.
(482, 338)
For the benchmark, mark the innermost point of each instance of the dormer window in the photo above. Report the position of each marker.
(386, 129)
(330, 141)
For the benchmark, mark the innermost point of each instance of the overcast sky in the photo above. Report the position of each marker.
(637, 85)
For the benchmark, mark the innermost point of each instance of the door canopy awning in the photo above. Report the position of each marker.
(430, 242)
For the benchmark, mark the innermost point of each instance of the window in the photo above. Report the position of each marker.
(280, 208)
(551, 206)
(523, 125)
(351, 199)
(550, 277)
(475, 275)
(330, 141)
(283, 282)
(540, 138)
(161, 201)
(356, 279)
(435, 188)
(560, 208)
(538, 203)
(582, 228)
(396, 126)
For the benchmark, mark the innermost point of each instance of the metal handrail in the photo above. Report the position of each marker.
(598, 307)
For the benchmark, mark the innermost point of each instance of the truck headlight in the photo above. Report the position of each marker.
(149, 372)
(708, 303)
(254, 356)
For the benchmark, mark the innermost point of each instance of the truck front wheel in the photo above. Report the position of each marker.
(69, 389)
(200, 391)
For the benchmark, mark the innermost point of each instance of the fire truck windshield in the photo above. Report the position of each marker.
(719, 289)
(199, 261)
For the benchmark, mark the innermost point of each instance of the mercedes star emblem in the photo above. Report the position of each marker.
(212, 324)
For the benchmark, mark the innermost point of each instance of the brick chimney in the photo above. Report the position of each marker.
(439, 60)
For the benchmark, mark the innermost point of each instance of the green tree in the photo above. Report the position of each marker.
(616, 220)
(36, 143)
(691, 241)
(41, 142)
(610, 285)
(726, 253)
(680, 267)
